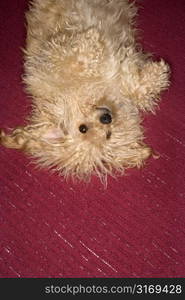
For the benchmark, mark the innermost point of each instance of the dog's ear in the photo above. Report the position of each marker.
(138, 153)
(53, 134)
(31, 138)
(15, 140)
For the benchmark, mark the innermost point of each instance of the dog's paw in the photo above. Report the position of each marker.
(160, 73)
(154, 78)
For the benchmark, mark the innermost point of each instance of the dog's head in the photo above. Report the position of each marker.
(105, 138)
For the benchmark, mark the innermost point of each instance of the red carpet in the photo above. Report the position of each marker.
(134, 228)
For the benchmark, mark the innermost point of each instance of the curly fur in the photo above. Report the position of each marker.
(81, 61)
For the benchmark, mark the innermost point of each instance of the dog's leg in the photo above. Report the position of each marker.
(153, 79)
(144, 84)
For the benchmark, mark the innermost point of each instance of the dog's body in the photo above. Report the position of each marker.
(88, 81)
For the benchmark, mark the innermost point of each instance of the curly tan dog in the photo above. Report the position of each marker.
(89, 80)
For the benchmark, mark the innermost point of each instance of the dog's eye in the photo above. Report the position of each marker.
(83, 128)
(108, 135)
(106, 118)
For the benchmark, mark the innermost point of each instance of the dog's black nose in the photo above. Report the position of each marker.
(106, 118)
(83, 128)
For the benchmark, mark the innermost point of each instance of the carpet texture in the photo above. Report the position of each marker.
(135, 227)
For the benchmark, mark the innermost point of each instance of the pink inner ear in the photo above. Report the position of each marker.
(53, 134)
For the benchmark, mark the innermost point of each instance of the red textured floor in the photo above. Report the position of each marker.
(134, 228)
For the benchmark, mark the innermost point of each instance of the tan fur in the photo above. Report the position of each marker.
(82, 60)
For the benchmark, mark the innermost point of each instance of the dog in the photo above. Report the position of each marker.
(89, 81)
